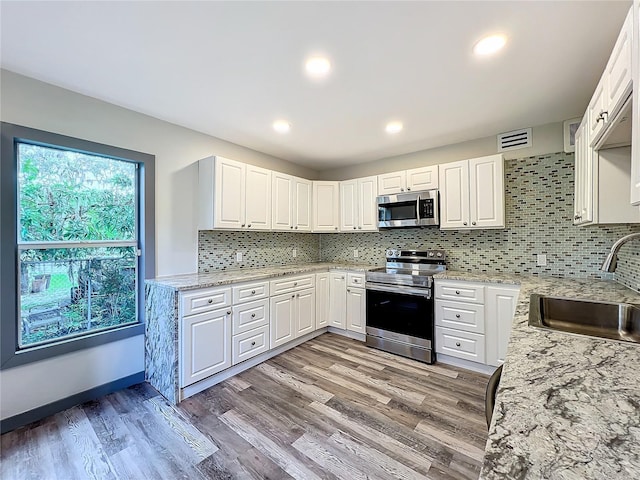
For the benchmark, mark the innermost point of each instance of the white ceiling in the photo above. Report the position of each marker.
(230, 69)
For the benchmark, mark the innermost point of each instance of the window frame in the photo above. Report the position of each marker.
(11, 135)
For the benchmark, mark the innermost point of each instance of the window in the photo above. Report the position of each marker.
(75, 223)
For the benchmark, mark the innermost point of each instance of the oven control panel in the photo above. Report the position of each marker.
(394, 254)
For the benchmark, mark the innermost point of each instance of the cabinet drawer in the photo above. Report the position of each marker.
(460, 315)
(457, 343)
(250, 292)
(355, 280)
(205, 300)
(249, 344)
(288, 284)
(250, 315)
(467, 292)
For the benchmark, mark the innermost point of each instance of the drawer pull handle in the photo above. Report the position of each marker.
(457, 344)
(253, 344)
(457, 292)
(253, 315)
(210, 301)
(457, 315)
(253, 292)
(295, 283)
(228, 312)
(293, 296)
(349, 290)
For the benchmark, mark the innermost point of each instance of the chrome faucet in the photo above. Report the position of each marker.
(610, 263)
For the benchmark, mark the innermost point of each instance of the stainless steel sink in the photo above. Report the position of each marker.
(615, 321)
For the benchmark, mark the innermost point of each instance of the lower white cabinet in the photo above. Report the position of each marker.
(338, 300)
(249, 344)
(322, 300)
(206, 345)
(292, 315)
(355, 318)
(473, 320)
(347, 301)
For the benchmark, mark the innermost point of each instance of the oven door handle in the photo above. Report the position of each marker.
(400, 289)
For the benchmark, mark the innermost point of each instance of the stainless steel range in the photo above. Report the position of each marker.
(400, 303)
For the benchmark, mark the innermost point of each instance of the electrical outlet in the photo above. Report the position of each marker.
(238, 257)
(542, 259)
(294, 253)
(355, 253)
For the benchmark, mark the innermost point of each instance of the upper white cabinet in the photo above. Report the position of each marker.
(291, 203)
(583, 198)
(326, 206)
(415, 179)
(358, 205)
(635, 133)
(233, 195)
(472, 193)
(615, 85)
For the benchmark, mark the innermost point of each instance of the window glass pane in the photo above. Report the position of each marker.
(70, 196)
(72, 291)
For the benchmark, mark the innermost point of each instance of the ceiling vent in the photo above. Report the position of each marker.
(514, 140)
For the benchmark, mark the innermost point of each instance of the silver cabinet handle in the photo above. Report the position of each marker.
(408, 189)
(349, 290)
(242, 225)
(602, 116)
(473, 223)
(293, 296)
(210, 301)
(457, 344)
(457, 292)
(253, 315)
(253, 344)
(360, 227)
(228, 312)
(253, 292)
(249, 226)
(457, 315)
(291, 227)
(336, 228)
(464, 223)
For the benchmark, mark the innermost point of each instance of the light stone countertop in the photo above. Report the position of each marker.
(194, 281)
(568, 406)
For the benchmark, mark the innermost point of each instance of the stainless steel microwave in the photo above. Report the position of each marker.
(414, 209)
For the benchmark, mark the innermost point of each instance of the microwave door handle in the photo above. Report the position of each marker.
(418, 209)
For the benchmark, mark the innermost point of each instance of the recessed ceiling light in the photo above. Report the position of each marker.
(393, 127)
(281, 126)
(490, 44)
(318, 66)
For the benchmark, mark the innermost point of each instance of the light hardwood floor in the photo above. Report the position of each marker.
(330, 408)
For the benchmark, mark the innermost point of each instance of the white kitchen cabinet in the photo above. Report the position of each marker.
(500, 306)
(415, 179)
(206, 345)
(291, 203)
(249, 344)
(338, 300)
(473, 320)
(358, 210)
(472, 193)
(583, 190)
(233, 195)
(251, 315)
(355, 310)
(292, 315)
(326, 206)
(635, 132)
(322, 300)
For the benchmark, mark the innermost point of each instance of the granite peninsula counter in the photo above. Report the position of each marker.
(568, 406)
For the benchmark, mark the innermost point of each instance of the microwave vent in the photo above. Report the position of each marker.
(514, 140)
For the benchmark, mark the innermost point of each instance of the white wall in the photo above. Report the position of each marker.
(545, 139)
(35, 104)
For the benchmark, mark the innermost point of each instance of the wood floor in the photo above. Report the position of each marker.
(330, 408)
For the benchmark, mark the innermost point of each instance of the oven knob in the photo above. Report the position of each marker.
(431, 254)
(439, 254)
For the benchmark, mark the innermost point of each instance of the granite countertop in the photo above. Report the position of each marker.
(194, 281)
(568, 406)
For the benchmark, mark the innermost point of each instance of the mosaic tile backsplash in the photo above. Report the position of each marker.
(539, 211)
(217, 250)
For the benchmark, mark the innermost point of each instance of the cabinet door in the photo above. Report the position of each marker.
(338, 300)
(367, 209)
(583, 191)
(424, 178)
(305, 312)
(486, 186)
(281, 209)
(282, 315)
(322, 300)
(391, 183)
(302, 205)
(355, 310)
(206, 345)
(618, 71)
(500, 307)
(349, 205)
(326, 206)
(454, 195)
(229, 193)
(597, 106)
(258, 198)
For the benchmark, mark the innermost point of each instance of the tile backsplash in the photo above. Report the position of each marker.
(539, 211)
